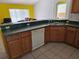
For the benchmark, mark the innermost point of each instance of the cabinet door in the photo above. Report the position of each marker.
(75, 6)
(70, 35)
(60, 34)
(14, 46)
(47, 34)
(53, 31)
(57, 33)
(77, 39)
(26, 42)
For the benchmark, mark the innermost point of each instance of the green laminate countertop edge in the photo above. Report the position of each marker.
(37, 27)
(7, 24)
(26, 29)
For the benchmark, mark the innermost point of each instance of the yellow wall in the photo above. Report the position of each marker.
(4, 9)
(61, 1)
(4, 12)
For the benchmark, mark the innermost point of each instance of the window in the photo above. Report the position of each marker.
(61, 11)
(18, 14)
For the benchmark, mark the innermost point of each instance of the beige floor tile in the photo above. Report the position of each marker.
(3, 56)
(57, 57)
(54, 51)
(48, 46)
(28, 56)
(49, 54)
(75, 55)
(36, 53)
(44, 49)
(76, 52)
(42, 57)
(66, 53)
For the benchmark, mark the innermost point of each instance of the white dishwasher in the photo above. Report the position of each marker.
(37, 38)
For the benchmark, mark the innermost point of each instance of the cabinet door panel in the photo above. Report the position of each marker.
(77, 39)
(47, 34)
(70, 36)
(57, 33)
(15, 48)
(26, 44)
(60, 34)
(53, 32)
(75, 6)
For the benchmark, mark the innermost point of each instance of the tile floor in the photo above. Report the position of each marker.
(53, 51)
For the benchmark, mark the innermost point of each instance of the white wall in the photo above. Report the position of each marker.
(69, 6)
(45, 9)
(42, 9)
(54, 9)
(68, 9)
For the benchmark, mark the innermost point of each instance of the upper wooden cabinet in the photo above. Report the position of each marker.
(47, 34)
(57, 33)
(70, 35)
(77, 39)
(75, 6)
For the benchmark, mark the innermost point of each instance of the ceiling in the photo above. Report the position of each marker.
(19, 1)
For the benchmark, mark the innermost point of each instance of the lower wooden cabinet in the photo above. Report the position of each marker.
(26, 42)
(77, 39)
(57, 33)
(47, 34)
(14, 46)
(19, 43)
(70, 35)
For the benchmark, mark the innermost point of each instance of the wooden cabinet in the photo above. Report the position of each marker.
(77, 39)
(19, 43)
(26, 41)
(14, 45)
(57, 33)
(47, 34)
(70, 35)
(75, 6)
